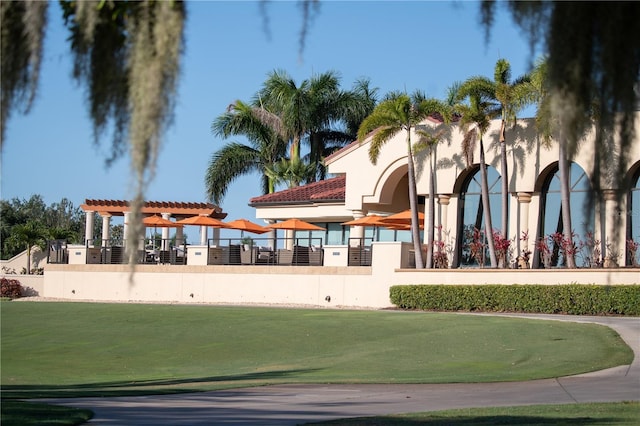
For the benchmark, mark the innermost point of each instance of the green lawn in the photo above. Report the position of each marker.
(73, 349)
(596, 414)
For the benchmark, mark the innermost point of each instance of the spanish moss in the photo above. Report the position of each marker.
(23, 27)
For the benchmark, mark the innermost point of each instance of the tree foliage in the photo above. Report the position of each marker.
(23, 27)
(475, 118)
(593, 60)
(400, 113)
(281, 116)
(61, 220)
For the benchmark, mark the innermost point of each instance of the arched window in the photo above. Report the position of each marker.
(472, 244)
(633, 220)
(550, 222)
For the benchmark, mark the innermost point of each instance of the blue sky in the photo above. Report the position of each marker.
(424, 45)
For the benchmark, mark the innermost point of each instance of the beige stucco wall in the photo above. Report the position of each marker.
(382, 187)
(19, 262)
(364, 287)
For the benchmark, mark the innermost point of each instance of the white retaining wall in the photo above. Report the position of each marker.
(328, 286)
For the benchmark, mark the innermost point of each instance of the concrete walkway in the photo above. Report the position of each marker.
(298, 404)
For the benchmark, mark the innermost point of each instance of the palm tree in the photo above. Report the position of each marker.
(475, 118)
(236, 159)
(512, 97)
(430, 140)
(365, 100)
(28, 234)
(546, 125)
(342, 107)
(308, 110)
(395, 114)
(289, 172)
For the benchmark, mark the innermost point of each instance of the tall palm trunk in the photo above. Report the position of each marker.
(413, 204)
(505, 188)
(484, 188)
(294, 158)
(505, 181)
(315, 154)
(28, 259)
(432, 208)
(565, 201)
(294, 153)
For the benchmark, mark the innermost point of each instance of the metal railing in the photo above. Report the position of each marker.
(360, 253)
(223, 251)
(265, 251)
(147, 251)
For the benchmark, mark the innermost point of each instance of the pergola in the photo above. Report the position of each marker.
(166, 209)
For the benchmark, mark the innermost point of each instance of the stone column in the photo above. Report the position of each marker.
(106, 221)
(216, 236)
(165, 233)
(204, 235)
(271, 235)
(442, 214)
(356, 233)
(125, 227)
(179, 236)
(524, 247)
(289, 235)
(613, 240)
(88, 226)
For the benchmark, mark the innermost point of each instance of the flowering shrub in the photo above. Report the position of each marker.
(10, 288)
(442, 249)
(590, 252)
(632, 250)
(501, 246)
(477, 246)
(440, 259)
(525, 253)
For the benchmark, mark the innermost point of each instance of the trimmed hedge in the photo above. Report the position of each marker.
(573, 299)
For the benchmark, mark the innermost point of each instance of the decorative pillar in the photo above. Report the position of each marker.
(204, 235)
(356, 233)
(524, 200)
(441, 222)
(289, 235)
(88, 226)
(125, 228)
(165, 233)
(106, 221)
(216, 236)
(613, 240)
(179, 236)
(271, 235)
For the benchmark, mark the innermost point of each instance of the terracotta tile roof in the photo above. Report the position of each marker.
(328, 190)
(119, 207)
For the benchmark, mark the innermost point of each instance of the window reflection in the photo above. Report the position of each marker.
(472, 247)
(551, 215)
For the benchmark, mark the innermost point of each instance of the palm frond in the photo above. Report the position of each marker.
(226, 165)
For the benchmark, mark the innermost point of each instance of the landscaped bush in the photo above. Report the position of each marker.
(10, 288)
(574, 299)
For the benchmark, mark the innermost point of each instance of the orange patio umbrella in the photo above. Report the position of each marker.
(156, 221)
(371, 220)
(402, 218)
(295, 225)
(246, 225)
(203, 221)
(402, 221)
(159, 222)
